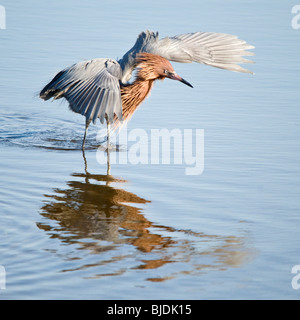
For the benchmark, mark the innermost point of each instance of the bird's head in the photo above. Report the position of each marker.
(153, 67)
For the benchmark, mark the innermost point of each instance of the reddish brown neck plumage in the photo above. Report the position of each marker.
(133, 95)
(150, 68)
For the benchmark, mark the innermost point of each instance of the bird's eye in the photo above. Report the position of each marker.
(166, 71)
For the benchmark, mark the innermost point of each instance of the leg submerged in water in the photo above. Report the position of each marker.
(87, 123)
(108, 148)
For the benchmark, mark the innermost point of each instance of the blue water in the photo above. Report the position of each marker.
(67, 230)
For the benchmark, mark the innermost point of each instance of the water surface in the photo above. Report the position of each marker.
(69, 230)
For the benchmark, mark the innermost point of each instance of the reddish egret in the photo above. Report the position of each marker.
(100, 88)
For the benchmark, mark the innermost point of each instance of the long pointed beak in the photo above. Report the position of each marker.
(175, 76)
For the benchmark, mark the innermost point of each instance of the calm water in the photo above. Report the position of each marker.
(67, 230)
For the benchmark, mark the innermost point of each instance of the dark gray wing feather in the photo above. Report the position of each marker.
(92, 89)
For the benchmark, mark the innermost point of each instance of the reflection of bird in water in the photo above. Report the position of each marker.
(100, 217)
(100, 88)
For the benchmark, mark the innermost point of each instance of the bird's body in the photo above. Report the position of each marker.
(100, 88)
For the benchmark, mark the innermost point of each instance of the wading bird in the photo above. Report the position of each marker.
(101, 88)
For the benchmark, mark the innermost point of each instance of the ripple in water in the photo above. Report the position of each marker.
(54, 134)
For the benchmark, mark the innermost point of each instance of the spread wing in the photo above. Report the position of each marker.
(91, 87)
(219, 50)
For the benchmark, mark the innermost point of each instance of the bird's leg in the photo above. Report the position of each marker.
(87, 123)
(108, 147)
(85, 162)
